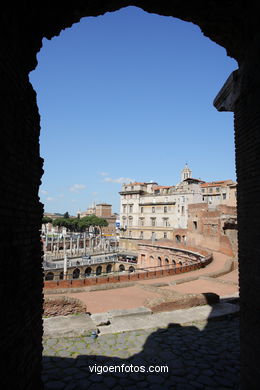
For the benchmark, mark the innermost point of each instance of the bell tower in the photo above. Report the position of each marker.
(186, 172)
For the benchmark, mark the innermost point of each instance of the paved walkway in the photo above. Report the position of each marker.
(202, 355)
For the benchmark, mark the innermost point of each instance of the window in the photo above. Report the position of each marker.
(153, 221)
(142, 209)
(141, 235)
(132, 187)
(182, 210)
(195, 225)
(141, 221)
(130, 208)
(203, 190)
(210, 190)
(153, 209)
(124, 208)
(224, 196)
(130, 221)
(165, 235)
(166, 222)
(153, 236)
(165, 209)
(217, 189)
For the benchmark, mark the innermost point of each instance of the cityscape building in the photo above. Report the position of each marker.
(149, 211)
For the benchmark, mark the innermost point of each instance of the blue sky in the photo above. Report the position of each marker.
(128, 96)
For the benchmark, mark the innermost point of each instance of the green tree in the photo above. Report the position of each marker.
(101, 222)
(46, 220)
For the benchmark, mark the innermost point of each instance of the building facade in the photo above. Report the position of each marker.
(149, 211)
(103, 210)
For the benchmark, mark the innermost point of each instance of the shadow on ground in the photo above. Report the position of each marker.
(198, 356)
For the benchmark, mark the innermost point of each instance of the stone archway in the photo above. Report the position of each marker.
(76, 273)
(99, 270)
(231, 25)
(49, 276)
(88, 271)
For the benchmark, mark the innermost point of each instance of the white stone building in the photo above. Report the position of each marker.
(150, 211)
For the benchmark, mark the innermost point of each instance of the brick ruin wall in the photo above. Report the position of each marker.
(232, 25)
(211, 231)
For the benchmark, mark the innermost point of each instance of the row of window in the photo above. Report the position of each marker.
(153, 235)
(131, 208)
(141, 222)
(211, 189)
(216, 198)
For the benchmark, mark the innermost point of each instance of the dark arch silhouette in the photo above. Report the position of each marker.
(76, 273)
(49, 276)
(99, 270)
(88, 271)
(234, 26)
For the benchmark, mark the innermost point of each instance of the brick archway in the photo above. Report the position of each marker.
(229, 24)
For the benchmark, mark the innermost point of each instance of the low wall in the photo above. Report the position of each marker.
(53, 284)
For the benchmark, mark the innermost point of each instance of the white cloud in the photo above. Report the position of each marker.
(120, 180)
(44, 192)
(103, 173)
(77, 187)
(50, 198)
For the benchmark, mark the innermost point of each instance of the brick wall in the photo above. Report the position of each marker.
(54, 284)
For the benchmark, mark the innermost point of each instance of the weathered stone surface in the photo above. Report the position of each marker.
(69, 326)
(171, 302)
(62, 306)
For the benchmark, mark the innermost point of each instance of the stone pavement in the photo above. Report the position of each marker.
(202, 355)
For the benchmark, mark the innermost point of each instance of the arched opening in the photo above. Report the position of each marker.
(88, 271)
(190, 17)
(121, 268)
(99, 270)
(177, 238)
(61, 276)
(159, 261)
(109, 268)
(49, 276)
(131, 269)
(166, 261)
(76, 273)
